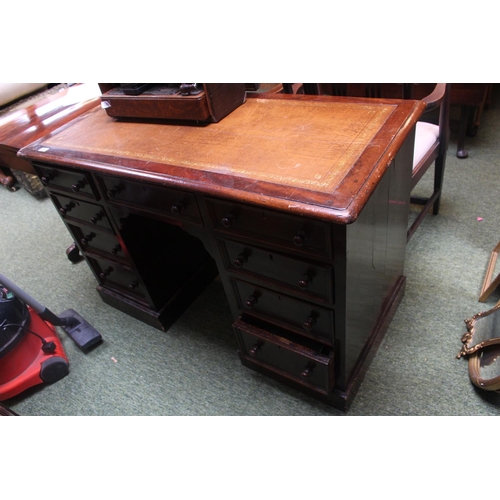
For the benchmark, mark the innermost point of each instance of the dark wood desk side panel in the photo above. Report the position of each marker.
(375, 257)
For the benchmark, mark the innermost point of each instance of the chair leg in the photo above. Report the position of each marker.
(438, 181)
(464, 120)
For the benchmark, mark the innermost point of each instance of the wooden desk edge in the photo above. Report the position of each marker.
(346, 215)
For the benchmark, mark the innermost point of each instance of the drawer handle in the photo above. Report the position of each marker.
(304, 281)
(97, 217)
(67, 208)
(299, 239)
(79, 185)
(106, 273)
(85, 240)
(256, 348)
(49, 177)
(117, 248)
(133, 285)
(240, 260)
(115, 190)
(177, 208)
(308, 370)
(309, 323)
(228, 220)
(251, 301)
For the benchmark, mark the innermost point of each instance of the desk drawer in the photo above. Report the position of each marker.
(310, 364)
(115, 275)
(296, 233)
(310, 320)
(174, 203)
(71, 208)
(93, 239)
(66, 180)
(314, 280)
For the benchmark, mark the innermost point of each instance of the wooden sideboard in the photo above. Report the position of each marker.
(299, 203)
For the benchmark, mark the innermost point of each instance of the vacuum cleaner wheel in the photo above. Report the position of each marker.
(54, 369)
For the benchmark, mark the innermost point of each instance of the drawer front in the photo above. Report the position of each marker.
(93, 239)
(171, 202)
(312, 279)
(310, 319)
(310, 365)
(114, 275)
(67, 180)
(294, 232)
(83, 211)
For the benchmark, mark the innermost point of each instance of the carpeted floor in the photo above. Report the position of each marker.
(194, 369)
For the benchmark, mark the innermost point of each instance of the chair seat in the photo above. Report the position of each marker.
(426, 134)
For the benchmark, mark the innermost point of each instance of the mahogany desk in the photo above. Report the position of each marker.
(299, 203)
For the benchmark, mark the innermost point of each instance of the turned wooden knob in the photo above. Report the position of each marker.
(117, 248)
(177, 208)
(251, 301)
(79, 185)
(115, 190)
(255, 349)
(304, 281)
(228, 220)
(309, 323)
(240, 260)
(48, 177)
(85, 240)
(307, 372)
(299, 239)
(106, 273)
(133, 285)
(97, 217)
(67, 208)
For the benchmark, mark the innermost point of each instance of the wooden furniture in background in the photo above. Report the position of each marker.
(472, 98)
(299, 203)
(40, 118)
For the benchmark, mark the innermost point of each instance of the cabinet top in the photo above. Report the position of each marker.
(315, 155)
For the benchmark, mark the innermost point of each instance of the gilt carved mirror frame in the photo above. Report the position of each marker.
(489, 284)
(483, 329)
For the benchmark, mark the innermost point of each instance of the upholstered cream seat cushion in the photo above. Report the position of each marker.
(426, 134)
(11, 91)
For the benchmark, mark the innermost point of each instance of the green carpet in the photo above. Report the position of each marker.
(193, 369)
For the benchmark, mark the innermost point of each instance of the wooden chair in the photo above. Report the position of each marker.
(432, 131)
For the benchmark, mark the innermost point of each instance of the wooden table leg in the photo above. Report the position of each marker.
(8, 181)
(462, 131)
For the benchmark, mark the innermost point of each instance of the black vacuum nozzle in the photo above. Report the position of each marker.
(84, 334)
(80, 330)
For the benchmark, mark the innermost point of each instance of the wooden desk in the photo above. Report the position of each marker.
(38, 119)
(300, 203)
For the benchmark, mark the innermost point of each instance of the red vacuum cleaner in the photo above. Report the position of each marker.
(31, 352)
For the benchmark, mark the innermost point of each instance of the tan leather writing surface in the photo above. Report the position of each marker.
(294, 143)
(318, 155)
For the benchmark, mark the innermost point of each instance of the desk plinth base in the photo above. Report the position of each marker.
(342, 399)
(163, 318)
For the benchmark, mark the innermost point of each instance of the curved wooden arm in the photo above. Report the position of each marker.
(435, 98)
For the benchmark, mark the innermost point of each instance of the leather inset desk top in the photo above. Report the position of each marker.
(305, 144)
(318, 151)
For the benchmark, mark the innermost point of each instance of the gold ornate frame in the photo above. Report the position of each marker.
(470, 340)
(489, 285)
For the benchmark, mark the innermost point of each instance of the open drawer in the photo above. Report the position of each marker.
(303, 360)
